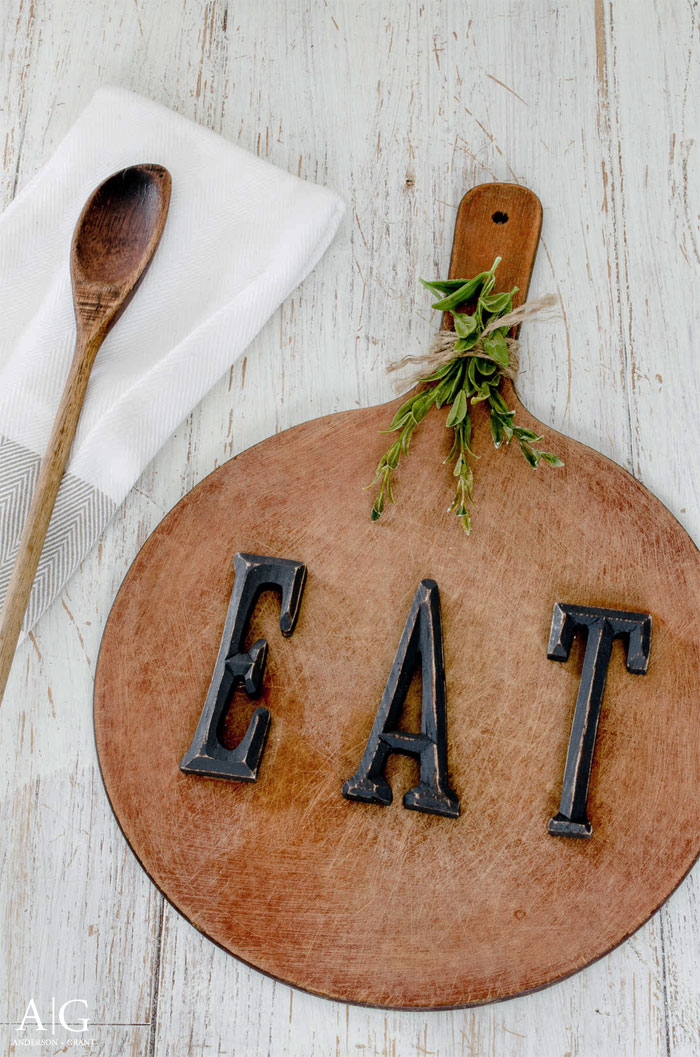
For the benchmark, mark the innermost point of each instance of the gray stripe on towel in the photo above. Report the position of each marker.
(80, 515)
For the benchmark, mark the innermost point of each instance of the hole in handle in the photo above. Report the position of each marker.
(500, 218)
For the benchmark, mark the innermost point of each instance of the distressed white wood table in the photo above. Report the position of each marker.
(400, 107)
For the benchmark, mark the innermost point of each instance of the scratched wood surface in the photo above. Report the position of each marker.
(375, 905)
(399, 107)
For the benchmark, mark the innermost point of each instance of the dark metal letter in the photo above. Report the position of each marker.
(601, 627)
(421, 641)
(206, 755)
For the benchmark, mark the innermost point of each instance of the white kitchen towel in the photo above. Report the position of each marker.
(241, 234)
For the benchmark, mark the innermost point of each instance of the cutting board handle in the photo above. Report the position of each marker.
(497, 220)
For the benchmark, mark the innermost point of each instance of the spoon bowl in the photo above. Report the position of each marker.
(114, 242)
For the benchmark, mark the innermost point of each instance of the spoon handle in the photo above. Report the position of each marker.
(36, 526)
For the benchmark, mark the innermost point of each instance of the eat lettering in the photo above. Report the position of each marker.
(420, 646)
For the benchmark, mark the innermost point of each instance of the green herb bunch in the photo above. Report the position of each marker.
(473, 376)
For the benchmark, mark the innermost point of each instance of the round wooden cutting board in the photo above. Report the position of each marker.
(379, 904)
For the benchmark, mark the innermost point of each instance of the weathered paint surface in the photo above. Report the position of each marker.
(400, 107)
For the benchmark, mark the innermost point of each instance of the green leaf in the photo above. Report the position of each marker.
(495, 346)
(394, 454)
(421, 403)
(464, 324)
(396, 423)
(443, 286)
(458, 409)
(466, 434)
(454, 448)
(488, 285)
(499, 403)
(496, 430)
(532, 456)
(441, 392)
(463, 293)
(467, 482)
(402, 414)
(552, 460)
(455, 381)
(441, 372)
(498, 304)
(440, 286)
(470, 487)
(525, 434)
(465, 344)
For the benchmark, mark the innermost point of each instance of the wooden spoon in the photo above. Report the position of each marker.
(113, 244)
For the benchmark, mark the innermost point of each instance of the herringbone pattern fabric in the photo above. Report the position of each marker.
(80, 515)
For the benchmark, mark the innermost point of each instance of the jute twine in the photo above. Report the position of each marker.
(442, 347)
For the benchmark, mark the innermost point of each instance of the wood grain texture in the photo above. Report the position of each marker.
(582, 102)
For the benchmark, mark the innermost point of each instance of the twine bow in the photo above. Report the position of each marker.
(442, 347)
